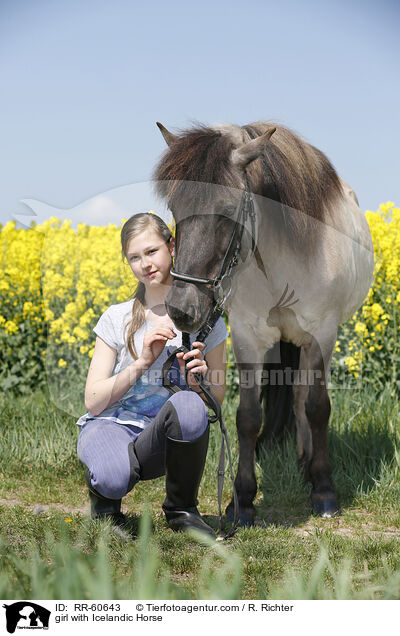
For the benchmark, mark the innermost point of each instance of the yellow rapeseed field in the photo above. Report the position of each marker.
(368, 344)
(55, 282)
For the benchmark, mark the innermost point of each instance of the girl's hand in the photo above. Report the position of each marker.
(153, 344)
(196, 363)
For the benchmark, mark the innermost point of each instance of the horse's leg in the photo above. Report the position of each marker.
(317, 411)
(303, 431)
(248, 424)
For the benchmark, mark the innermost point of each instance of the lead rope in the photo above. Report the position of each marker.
(214, 406)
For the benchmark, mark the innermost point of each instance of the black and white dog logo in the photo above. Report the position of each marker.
(26, 615)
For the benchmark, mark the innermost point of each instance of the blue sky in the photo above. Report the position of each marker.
(82, 84)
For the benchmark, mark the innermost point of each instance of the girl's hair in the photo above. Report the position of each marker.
(137, 224)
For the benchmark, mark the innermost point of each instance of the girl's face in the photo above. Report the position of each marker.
(149, 257)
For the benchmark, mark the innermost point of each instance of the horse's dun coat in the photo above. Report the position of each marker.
(311, 271)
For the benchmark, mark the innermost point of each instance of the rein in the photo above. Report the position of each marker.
(222, 287)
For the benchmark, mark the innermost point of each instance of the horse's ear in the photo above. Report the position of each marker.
(251, 150)
(169, 137)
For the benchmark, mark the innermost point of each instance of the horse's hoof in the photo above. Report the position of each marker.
(325, 506)
(246, 516)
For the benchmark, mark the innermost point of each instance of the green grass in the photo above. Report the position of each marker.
(288, 554)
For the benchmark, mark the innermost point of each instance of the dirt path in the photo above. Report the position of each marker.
(42, 508)
(311, 528)
(365, 529)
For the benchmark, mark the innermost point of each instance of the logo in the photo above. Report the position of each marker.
(26, 615)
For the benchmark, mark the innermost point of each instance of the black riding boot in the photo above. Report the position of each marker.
(103, 508)
(184, 469)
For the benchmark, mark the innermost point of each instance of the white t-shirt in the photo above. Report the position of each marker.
(144, 399)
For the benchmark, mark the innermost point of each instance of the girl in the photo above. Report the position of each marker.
(134, 428)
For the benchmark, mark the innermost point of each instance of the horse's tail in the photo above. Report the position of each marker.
(277, 395)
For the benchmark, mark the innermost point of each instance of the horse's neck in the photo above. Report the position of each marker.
(328, 277)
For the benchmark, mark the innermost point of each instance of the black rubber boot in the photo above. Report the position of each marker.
(103, 508)
(184, 469)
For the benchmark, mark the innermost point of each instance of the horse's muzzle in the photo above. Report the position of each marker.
(183, 320)
(186, 309)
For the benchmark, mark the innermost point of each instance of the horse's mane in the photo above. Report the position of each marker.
(290, 171)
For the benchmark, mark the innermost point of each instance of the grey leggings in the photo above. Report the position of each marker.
(117, 458)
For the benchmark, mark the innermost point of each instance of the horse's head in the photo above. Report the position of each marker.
(202, 176)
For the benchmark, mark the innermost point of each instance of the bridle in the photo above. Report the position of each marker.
(222, 287)
(222, 283)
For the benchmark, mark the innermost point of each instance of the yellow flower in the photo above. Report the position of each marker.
(48, 315)
(351, 363)
(28, 309)
(62, 363)
(10, 327)
(360, 329)
(385, 207)
(376, 311)
(80, 333)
